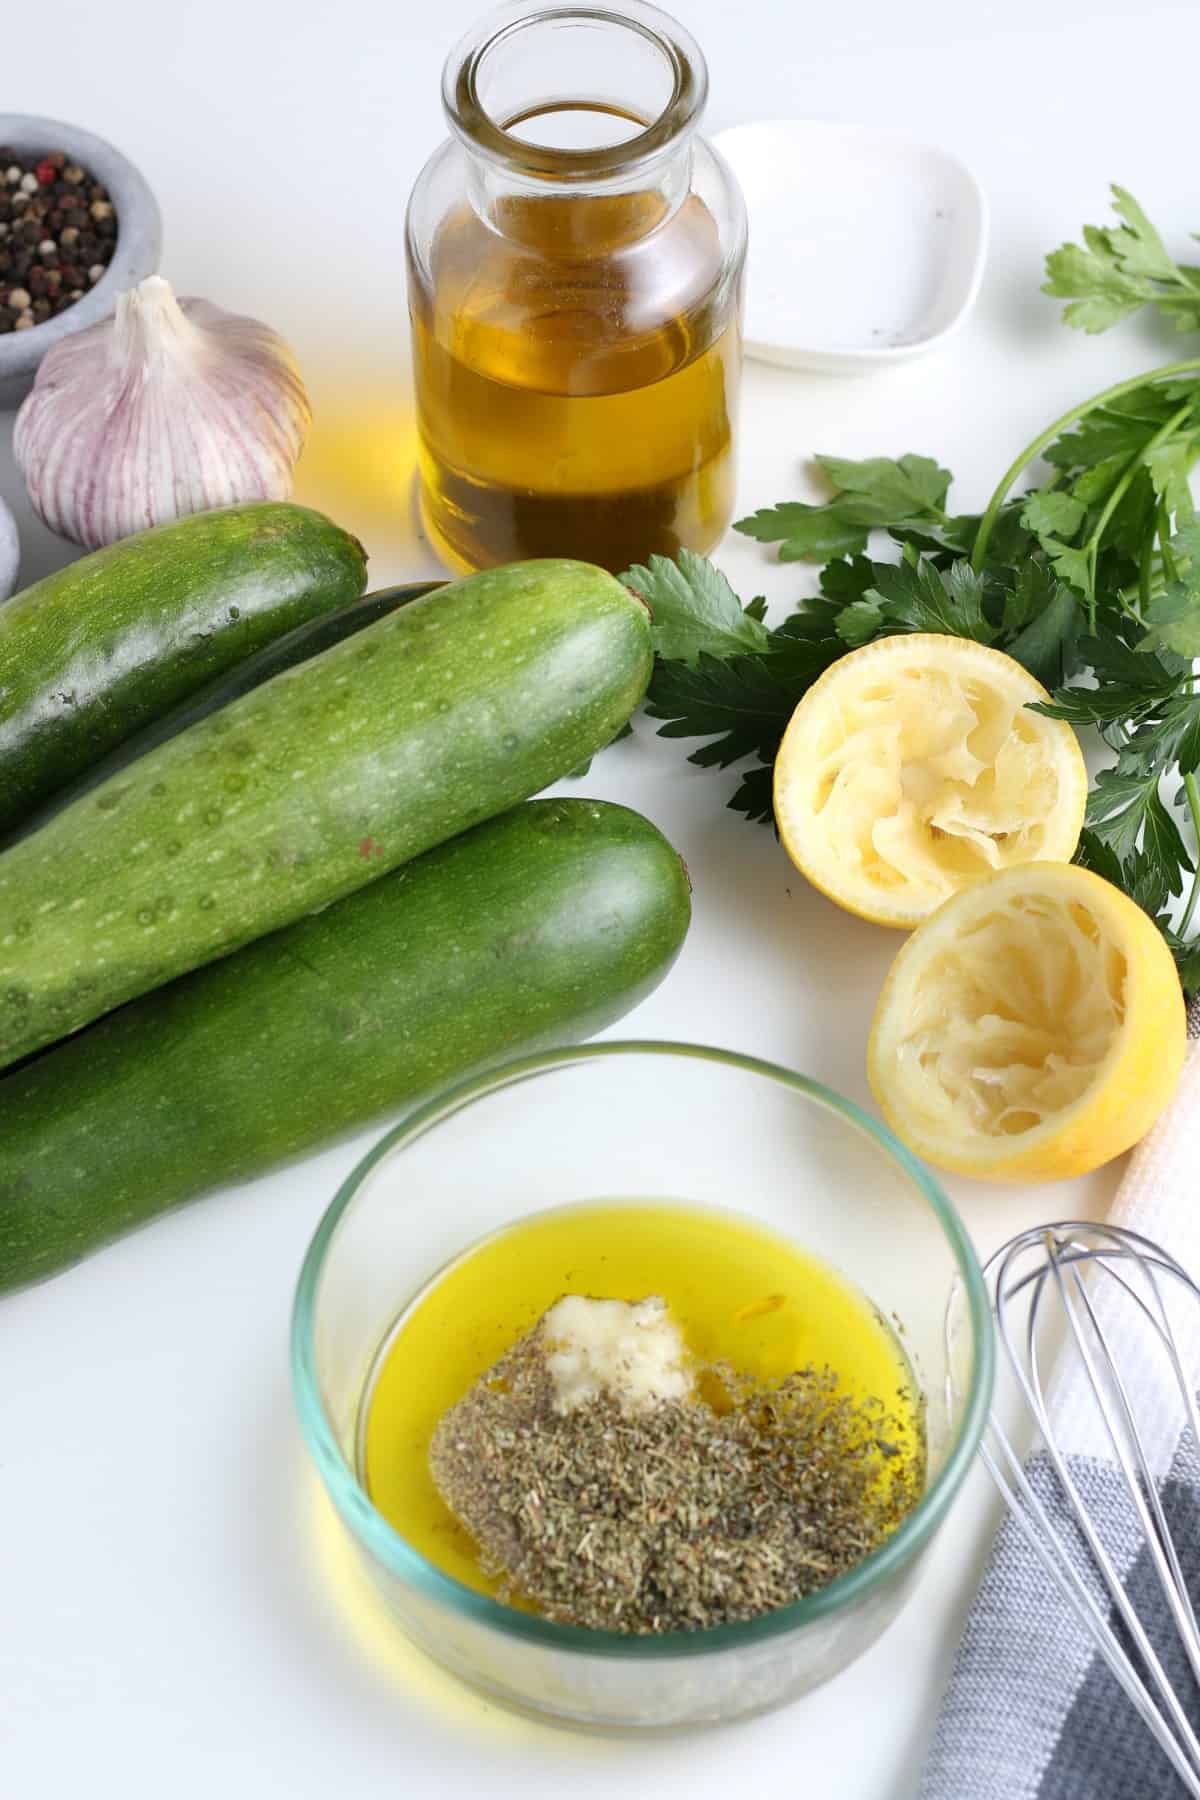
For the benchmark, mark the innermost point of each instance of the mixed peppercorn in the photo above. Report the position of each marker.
(58, 231)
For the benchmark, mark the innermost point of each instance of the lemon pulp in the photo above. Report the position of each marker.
(738, 1292)
(914, 767)
(1033, 1028)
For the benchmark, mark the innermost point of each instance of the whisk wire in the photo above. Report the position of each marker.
(1132, 1467)
(1069, 1260)
(1065, 1572)
(1142, 1486)
(1086, 1610)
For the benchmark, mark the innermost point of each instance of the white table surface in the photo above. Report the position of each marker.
(175, 1616)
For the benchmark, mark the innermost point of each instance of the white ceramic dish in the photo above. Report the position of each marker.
(867, 247)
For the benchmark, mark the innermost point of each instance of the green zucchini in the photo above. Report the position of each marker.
(287, 652)
(535, 929)
(436, 717)
(91, 653)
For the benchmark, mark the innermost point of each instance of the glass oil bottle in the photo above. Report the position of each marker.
(575, 255)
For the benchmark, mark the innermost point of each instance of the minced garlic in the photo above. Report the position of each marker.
(633, 1354)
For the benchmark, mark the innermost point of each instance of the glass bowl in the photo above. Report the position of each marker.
(649, 1122)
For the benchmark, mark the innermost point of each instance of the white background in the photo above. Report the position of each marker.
(174, 1613)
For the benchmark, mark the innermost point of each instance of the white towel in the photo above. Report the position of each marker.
(1032, 1712)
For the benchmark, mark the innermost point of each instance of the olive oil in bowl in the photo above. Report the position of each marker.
(740, 1295)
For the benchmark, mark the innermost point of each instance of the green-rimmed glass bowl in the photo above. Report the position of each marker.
(650, 1122)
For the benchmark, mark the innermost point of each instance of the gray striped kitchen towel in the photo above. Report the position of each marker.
(1032, 1711)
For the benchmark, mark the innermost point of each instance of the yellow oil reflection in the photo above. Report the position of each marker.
(359, 466)
(391, 1657)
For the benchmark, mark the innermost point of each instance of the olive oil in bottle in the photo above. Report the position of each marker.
(575, 256)
(577, 377)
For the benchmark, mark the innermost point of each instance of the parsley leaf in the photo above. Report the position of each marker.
(1187, 961)
(694, 609)
(1174, 619)
(1120, 268)
(919, 597)
(804, 533)
(1123, 807)
(1177, 734)
(756, 795)
(740, 703)
(903, 490)
(880, 493)
(1049, 513)
(1042, 616)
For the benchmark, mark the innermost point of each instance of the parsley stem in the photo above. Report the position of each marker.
(1146, 573)
(1119, 491)
(1192, 790)
(1170, 566)
(988, 521)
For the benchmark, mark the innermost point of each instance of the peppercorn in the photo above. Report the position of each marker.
(58, 231)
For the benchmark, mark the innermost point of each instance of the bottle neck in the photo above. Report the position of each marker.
(579, 219)
(576, 121)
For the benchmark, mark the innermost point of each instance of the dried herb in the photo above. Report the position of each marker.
(690, 1514)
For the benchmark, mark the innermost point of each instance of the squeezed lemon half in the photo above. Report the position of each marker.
(914, 767)
(1032, 1029)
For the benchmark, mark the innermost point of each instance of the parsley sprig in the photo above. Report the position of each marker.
(1120, 268)
(1090, 579)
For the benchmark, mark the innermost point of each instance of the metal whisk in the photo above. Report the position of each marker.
(1100, 1328)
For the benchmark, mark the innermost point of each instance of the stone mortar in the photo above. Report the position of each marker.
(137, 253)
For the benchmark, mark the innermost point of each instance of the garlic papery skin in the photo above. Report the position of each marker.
(168, 408)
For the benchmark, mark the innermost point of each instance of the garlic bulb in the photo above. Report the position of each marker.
(169, 407)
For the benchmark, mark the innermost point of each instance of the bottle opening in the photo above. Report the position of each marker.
(575, 125)
(574, 92)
